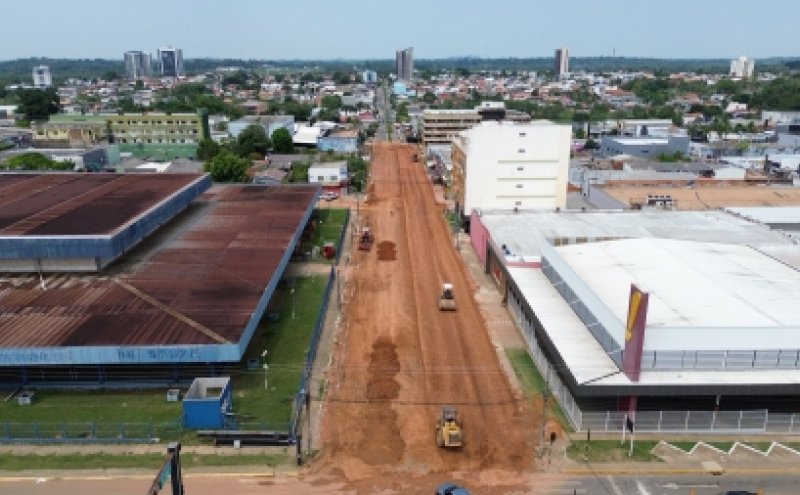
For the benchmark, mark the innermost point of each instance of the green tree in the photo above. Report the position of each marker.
(207, 149)
(429, 97)
(299, 172)
(37, 104)
(36, 161)
(110, 76)
(227, 167)
(282, 141)
(253, 139)
(331, 102)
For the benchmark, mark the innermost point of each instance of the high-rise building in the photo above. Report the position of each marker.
(41, 77)
(561, 67)
(405, 64)
(742, 67)
(137, 65)
(170, 61)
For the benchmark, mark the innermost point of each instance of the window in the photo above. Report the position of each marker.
(520, 169)
(519, 186)
(522, 134)
(333, 177)
(320, 178)
(521, 150)
(517, 203)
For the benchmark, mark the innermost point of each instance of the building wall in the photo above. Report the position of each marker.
(330, 175)
(506, 166)
(338, 144)
(479, 236)
(645, 148)
(441, 126)
(183, 128)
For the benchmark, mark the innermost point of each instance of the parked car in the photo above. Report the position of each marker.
(329, 196)
(449, 488)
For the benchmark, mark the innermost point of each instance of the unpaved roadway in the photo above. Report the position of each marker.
(400, 359)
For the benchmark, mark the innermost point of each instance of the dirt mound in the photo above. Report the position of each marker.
(387, 251)
(383, 366)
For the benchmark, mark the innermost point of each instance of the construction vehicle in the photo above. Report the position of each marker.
(366, 239)
(448, 429)
(447, 300)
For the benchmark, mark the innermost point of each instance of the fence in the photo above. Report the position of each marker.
(549, 374)
(340, 244)
(303, 389)
(739, 422)
(87, 432)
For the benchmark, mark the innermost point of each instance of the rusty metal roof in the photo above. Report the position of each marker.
(80, 204)
(200, 288)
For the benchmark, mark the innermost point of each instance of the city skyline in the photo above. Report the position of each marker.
(688, 30)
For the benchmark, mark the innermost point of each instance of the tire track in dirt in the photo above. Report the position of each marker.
(403, 358)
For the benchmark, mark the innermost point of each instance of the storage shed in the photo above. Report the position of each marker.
(207, 403)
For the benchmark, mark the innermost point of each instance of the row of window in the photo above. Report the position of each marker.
(155, 122)
(157, 141)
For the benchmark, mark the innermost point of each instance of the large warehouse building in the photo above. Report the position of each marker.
(174, 281)
(684, 320)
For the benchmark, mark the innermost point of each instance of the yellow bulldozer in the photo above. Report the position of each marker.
(448, 429)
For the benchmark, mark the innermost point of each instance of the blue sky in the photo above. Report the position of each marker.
(357, 29)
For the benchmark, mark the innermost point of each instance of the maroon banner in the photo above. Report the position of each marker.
(634, 333)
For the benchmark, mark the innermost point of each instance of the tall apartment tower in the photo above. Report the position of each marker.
(561, 66)
(170, 61)
(137, 65)
(742, 67)
(405, 64)
(41, 77)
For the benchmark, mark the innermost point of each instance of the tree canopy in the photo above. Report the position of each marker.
(38, 104)
(36, 161)
(282, 141)
(253, 139)
(227, 167)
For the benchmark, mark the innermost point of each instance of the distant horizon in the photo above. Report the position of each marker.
(452, 57)
(367, 30)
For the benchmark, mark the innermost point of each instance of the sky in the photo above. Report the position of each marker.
(374, 29)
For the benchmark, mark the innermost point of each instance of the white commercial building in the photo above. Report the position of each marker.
(41, 77)
(685, 320)
(328, 174)
(742, 67)
(504, 165)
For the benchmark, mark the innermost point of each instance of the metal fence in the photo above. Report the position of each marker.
(303, 390)
(750, 422)
(340, 244)
(87, 432)
(548, 372)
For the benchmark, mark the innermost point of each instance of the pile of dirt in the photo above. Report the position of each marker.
(383, 366)
(387, 251)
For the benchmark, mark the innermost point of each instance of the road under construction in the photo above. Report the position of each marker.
(400, 359)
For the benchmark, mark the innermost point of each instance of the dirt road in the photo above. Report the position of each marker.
(401, 359)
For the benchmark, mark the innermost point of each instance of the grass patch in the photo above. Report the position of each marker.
(330, 222)
(15, 462)
(611, 451)
(533, 383)
(726, 446)
(287, 342)
(684, 446)
(760, 446)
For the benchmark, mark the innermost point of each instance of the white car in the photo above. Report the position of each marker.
(329, 196)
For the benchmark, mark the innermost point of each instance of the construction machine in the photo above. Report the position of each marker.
(447, 300)
(448, 429)
(365, 240)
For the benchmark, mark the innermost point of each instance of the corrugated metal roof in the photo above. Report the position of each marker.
(80, 204)
(213, 275)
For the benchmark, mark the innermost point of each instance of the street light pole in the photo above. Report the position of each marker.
(291, 291)
(266, 368)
